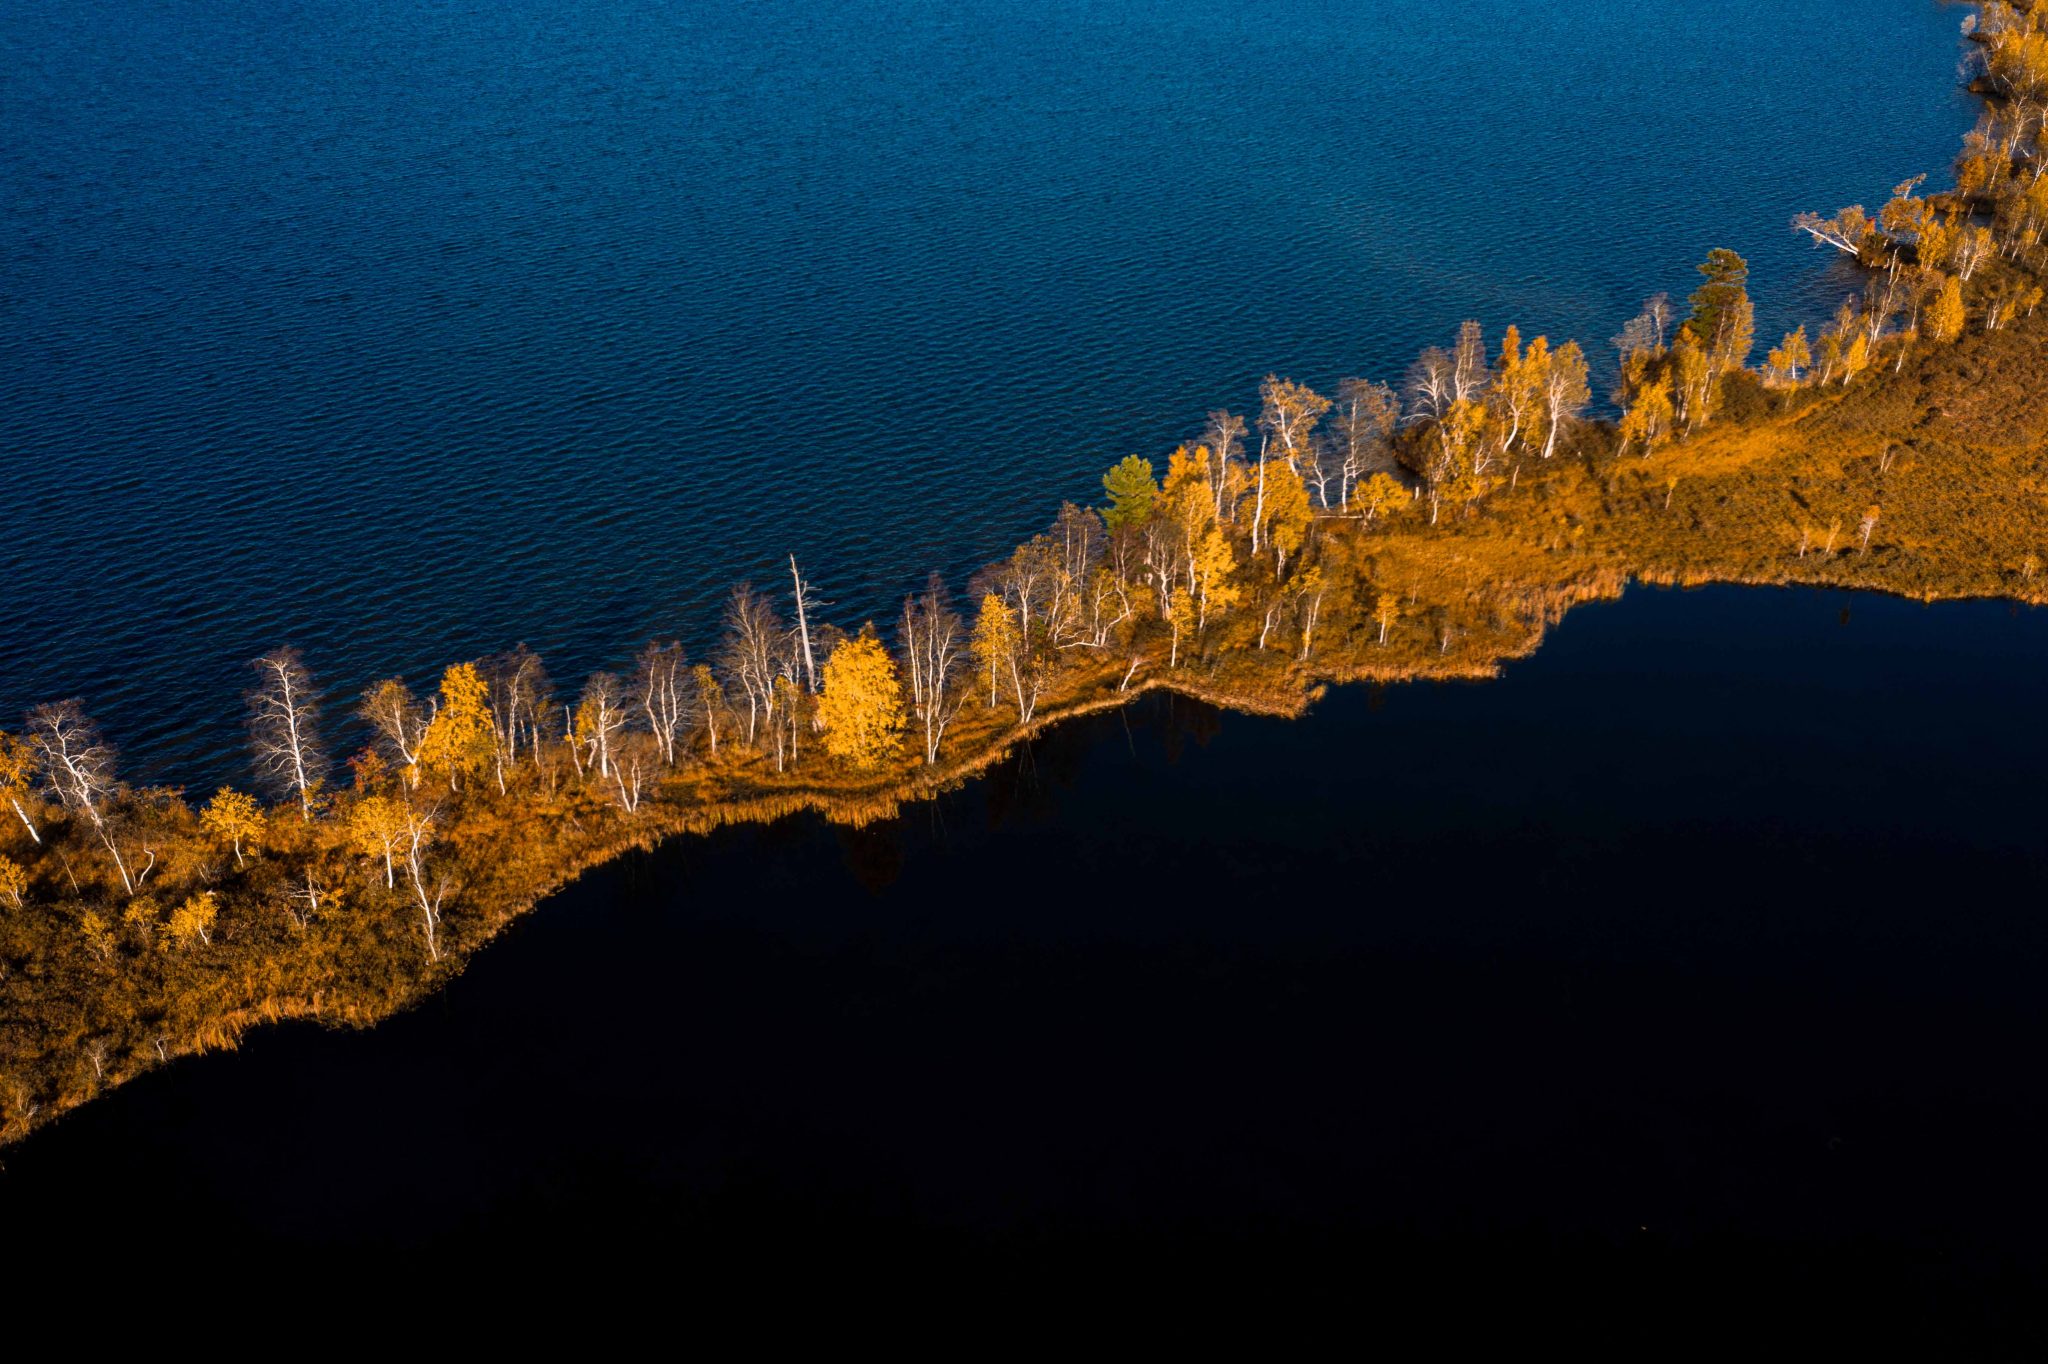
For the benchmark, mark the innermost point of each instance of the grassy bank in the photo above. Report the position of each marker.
(135, 928)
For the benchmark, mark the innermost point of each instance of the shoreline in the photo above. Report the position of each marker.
(1932, 449)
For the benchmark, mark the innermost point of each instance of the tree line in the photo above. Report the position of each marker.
(1245, 540)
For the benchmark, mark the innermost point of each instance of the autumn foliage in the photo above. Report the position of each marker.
(1361, 532)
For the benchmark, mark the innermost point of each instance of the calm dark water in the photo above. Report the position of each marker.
(405, 331)
(1696, 965)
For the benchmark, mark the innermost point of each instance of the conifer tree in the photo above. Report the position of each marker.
(1132, 493)
(861, 709)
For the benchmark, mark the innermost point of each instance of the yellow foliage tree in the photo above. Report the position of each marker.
(1695, 382)
(1287, 512)
(17, 773)
(1649, 417)
(1214, 562)
(1792, 355)
(375, 826)
(99, 935)
(1856, 359)
(13, 881)
(1382, 494)
(193, 920)
(141, 916)
(861, 710)
(458, 741)
(1518, 387)
(234, 818)
(1180, 618)
(995, 639)
(1946, 316)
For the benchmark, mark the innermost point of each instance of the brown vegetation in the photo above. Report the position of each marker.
(1324, 541)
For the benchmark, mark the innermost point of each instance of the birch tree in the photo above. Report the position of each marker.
(1565, 394)
(17, 778)
(1366, 414)
(234, 818)
(600, 718)
(377, 827)
(1432, 386)
(661, 690)
(1849, 231)
(1288, 413)
(1518, 384)
(284, 728)
(805, 604)
(418, 836)
(934, 647)
(1469, 373)
(1224, 439)
(395, 716)
(520, 697)
(1646, 332)
(78, 770)
(754, 637)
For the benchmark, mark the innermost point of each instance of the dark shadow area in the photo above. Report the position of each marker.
(1688, 977)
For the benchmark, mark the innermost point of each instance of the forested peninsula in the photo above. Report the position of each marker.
(1377, 532)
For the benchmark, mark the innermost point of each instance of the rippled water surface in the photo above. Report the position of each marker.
(407, 331)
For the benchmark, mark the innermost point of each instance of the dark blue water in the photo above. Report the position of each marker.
(404, 330)
(1692, 973)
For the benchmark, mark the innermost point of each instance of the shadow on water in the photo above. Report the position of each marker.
(1704, 948)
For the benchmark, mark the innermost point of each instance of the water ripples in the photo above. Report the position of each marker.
(405, 333)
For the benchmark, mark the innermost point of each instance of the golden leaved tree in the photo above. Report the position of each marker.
(458, 740)
(995, 638)
(234, 818)
(861, 710)
(1945, 316)
(376, 826)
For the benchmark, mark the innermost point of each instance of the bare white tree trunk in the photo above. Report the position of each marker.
(803, 627)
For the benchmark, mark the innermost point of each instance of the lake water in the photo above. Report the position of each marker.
(405, 330)
(1703, 953)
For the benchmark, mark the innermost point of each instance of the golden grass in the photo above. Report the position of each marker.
(1952, 450)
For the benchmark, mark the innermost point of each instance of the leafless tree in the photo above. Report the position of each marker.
(1321, 461)
(661, 688)
(1366, 415)
(1885, 295)
(1646, 330)
(806, 602)
(302, 897)
(933, 644)
(629, 766)
(284, 728)
(600, 718)
(1076, 538)
(1469, 372)
(1025, 579)
(78, 769)
(754, 638)
(1224, 439)
(419, 836)
(521, 697)
(1432, 386)
(1845, 231)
